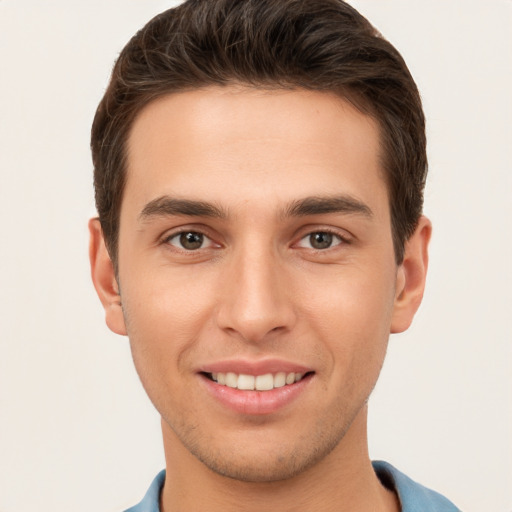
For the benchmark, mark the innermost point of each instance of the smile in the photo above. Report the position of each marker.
(265, 382)
(261, 394)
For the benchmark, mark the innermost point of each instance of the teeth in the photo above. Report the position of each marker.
(246, 382)
(231, 380)
(264, 382)
(279, 379)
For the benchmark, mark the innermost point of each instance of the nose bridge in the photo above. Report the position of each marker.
(255, 298)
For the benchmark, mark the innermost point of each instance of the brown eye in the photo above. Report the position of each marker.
(191, 241)
(188, 240)
(320, 240)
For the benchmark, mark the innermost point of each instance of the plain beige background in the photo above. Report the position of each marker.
(76, 430)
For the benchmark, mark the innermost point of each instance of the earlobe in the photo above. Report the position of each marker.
(104, 279)
(411, 275)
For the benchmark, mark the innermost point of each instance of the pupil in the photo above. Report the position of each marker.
(320, 240)
(191, 240)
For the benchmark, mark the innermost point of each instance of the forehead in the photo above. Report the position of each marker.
(224, 142)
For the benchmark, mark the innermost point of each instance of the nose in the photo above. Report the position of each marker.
(256, 301)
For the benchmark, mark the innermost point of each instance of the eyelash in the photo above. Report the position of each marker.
(167, 239)
(342, 240)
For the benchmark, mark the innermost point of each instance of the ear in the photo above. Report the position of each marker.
(410, 280)
(104, 279)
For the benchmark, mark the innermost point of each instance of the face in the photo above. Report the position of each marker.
(257, 275)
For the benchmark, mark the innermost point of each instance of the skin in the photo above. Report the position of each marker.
(257, 289)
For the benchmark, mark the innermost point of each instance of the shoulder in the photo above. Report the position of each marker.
(413, 496)
(151, 501)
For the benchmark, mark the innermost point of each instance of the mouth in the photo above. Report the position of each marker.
(255, 388)
(264, 382)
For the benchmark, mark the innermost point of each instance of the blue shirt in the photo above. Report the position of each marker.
(413, 496)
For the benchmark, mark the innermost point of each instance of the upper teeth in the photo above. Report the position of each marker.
(258, 382)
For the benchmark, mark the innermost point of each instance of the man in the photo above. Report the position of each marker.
(259, 174)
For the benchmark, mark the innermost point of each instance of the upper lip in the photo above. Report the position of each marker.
(253, 367)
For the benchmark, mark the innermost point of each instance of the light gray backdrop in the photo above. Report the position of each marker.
(76, 430)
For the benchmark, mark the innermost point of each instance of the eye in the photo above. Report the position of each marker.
(320, 240)
(189, 240)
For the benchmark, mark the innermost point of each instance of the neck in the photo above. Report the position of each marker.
(342, 481)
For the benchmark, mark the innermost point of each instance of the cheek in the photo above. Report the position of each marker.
(351, 312)
(164, 301)
(164, 316)
(356, 297)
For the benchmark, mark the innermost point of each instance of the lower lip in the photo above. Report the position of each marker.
(256, 402)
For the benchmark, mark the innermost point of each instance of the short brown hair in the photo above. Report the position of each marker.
(323, 45)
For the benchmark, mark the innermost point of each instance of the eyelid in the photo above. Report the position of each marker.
(305, 239)
(207, 241)
(176, 232)
(344, 236)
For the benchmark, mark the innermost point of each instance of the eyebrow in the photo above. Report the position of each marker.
(318, 205)
(167, 206)
(314, 205)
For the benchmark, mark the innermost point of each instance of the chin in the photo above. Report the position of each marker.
(265, 471)
(264, 463)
